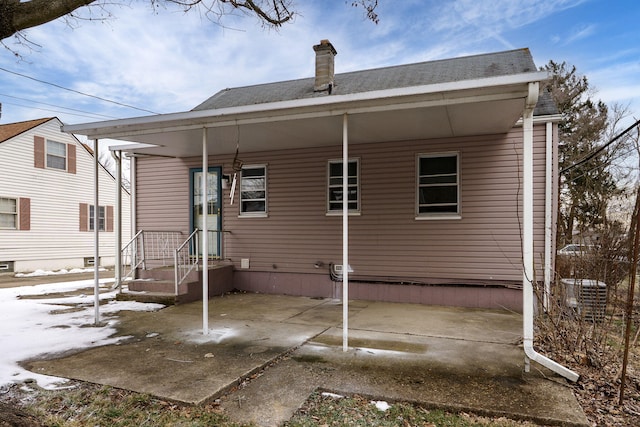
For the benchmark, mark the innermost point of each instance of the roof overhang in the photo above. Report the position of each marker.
(471, 107)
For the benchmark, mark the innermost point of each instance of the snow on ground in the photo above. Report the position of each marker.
(39, 273)
(381, 405)
(33, 327)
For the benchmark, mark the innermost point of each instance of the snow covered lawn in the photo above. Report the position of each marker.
(54, 318)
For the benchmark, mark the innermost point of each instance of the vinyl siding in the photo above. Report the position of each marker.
(54, 239)
(162, 195)
(387, 242)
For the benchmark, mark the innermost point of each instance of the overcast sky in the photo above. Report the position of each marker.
(167, 61)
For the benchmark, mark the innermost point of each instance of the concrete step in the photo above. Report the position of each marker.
(160, 283)
(152, 285)
(153, 297)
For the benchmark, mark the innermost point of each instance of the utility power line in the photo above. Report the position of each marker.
(595, 153)
(87, 115)
(76, 91)
(83, 113)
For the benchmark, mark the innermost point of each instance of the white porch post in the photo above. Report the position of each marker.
(96, 231)
(345, 233)
(118, 230)
(548, 212)
(205, 235)
(134, 192)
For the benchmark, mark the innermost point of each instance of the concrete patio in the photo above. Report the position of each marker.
(265, 354)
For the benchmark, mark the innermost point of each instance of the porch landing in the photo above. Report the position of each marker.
(158, 285)
(264, 355)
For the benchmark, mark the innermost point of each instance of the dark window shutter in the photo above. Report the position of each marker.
(84, 217)
(38, 152)
(71, 158)
(25, 213)
(109, 218)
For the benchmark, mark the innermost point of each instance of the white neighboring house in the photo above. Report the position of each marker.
(47, 200)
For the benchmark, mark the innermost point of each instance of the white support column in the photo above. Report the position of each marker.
(528, 274)
(345, 232)
(96, 231)
(134, 192)
(548, 214)
(118, 227)
(205, 235)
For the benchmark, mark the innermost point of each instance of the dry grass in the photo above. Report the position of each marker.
(594, 349)
(88, 405)
(331, 410)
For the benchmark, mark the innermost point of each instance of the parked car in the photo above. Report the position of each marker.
(575, 249)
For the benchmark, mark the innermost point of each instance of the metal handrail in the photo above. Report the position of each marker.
(161, 248)
(131, 257)
(186, 258)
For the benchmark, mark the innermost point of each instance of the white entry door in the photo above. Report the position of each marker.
(213, 214)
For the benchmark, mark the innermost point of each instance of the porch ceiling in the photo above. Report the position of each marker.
(418, 113)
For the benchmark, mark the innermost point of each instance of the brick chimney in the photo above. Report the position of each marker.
(324, 66)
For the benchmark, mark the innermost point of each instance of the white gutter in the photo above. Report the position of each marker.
(527, 243)
(551, 118)
(378, 100)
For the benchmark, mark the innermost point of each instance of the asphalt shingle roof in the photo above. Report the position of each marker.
(424, 73)
(14, 129)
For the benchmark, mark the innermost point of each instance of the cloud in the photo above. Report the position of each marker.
(168, 61)
(579, 33)
(618, 82)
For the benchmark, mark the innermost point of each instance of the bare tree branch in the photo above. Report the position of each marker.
(16, 16)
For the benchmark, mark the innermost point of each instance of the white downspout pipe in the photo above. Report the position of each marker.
(205, 235)
(118, 226)
(96, 233)
(527, 243)
(345, 233)
(548, 212)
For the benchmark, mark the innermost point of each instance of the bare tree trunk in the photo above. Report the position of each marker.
(635, 232)
(17, 16)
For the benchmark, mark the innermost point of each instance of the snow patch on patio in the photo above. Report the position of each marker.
(215, 336)
(35, 327)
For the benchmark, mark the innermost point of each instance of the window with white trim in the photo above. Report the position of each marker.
(8, 213)
(334, 186)
(101, 218)
(56, 155)
(253, 190)
(438, 185)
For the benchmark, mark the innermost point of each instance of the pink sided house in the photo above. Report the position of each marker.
(435, 166)
(448, 168)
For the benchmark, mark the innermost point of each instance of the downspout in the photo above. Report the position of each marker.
(96, 233)
(527, 243)
(205, 235)
(548, 212)
(118, 225)
(345, 233)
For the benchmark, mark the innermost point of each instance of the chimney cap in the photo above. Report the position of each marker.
(325, 45)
